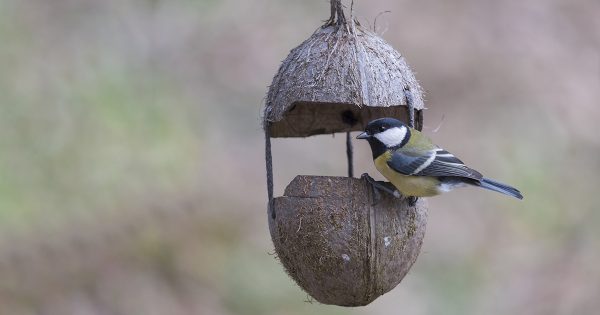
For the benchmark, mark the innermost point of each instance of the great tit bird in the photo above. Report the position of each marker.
(416, 166)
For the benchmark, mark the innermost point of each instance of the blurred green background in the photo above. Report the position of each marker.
(132, 169)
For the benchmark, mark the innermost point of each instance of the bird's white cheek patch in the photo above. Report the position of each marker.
(392, 137)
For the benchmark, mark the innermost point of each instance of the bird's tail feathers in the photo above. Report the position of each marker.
(499, 187)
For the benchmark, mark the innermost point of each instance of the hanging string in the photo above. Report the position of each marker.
(349, 154)
(419, 122)
(269, 162)
(349, 119)
(411, 123)
(410, 107)
(337, 10)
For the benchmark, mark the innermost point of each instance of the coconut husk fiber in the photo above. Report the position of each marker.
(339, 244)
(337, 80)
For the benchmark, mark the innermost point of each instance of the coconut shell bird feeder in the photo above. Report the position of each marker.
(341, 241)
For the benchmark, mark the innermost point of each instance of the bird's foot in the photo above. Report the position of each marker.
(377, 186)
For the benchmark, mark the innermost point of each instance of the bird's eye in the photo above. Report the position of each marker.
(382, 128)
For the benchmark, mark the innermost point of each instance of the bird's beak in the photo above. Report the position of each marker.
(363, 135)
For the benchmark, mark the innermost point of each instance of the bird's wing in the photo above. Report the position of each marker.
(437, 162)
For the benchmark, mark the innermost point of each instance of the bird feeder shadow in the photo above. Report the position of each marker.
(339, 242)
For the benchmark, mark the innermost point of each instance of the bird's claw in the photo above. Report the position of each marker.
(371, 181)
(379, 186)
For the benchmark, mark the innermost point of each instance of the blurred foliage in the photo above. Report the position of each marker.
(132, 171)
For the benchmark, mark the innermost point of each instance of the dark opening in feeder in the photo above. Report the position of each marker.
(339, 245)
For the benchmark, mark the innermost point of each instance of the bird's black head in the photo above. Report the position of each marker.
(385, 134)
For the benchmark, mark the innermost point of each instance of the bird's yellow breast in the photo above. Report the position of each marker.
(418, 186)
